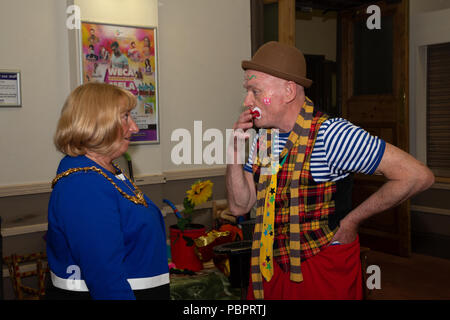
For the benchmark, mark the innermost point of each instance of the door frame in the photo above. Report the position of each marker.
(399, 98)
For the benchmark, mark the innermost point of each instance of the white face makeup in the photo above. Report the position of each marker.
(256, 113)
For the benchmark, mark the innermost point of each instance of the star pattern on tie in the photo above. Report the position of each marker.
(267, 232)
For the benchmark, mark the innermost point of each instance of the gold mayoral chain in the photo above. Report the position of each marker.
(138, 198)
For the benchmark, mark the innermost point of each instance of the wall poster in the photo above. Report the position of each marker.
(125, 56)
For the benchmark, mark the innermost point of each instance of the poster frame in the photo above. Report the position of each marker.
(82, 70)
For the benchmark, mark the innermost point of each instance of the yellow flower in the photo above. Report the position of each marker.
(200, 192)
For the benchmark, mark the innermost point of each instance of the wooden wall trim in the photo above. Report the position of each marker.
(445, 212)
(442, 185)
(193, 174)
(45, 187)
(24, 189)
(257, 24)
(286, 22)
(19, 230)
(40, 227)
(442, 180)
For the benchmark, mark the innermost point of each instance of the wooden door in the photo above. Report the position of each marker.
(374, 80)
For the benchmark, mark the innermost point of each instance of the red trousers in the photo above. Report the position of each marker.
(333, 274)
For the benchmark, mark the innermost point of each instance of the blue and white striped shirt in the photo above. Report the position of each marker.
(340, 149)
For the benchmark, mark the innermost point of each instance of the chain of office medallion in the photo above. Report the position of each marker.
(137, 199)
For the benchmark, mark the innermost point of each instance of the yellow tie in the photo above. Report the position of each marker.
(266, 250)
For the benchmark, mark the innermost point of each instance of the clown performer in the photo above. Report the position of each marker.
(298, 174)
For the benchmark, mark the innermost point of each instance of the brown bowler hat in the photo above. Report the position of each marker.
(280, 60)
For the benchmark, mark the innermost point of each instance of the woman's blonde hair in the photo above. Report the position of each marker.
(91, 119)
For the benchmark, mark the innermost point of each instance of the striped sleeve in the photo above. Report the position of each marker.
(342, 148)
(280, 138)
(249, 164)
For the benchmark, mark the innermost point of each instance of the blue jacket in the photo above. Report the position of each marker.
(109, 238)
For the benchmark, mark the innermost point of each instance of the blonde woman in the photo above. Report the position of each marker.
(106, 239)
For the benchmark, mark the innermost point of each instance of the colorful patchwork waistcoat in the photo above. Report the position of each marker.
(321, 205)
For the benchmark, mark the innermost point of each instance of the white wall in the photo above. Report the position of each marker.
(421, 6)
(317, 35)
(429, 24)
(201, 45)
(33, 40)
(130, 12)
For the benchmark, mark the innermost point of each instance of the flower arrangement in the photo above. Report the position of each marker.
(199, 193)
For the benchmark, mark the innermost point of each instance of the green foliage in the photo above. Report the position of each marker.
(187, 214)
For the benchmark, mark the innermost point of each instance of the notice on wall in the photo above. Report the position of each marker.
(10, 89)
(125, 56)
